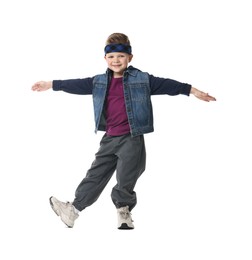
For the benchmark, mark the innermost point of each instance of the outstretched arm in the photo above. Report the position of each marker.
(202, 95)
(42, 85)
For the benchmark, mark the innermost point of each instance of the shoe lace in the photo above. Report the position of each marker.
(125, 214)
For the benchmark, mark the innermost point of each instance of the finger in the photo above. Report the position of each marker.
(35, 87)
(211, 98)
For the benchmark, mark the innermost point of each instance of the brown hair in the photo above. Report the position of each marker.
(118, 38)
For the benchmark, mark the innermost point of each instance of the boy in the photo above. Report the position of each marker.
(123, 109)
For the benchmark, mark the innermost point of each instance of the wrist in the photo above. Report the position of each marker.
(193, 90)
(49, 84)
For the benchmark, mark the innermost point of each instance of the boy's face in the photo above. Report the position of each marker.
(118, 62)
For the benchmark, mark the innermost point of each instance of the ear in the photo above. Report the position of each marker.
(130, 57)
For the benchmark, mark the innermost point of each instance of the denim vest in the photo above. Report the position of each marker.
(137, 100)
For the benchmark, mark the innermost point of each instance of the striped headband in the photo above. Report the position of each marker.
(118, 47)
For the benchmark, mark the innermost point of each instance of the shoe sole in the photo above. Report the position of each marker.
(124, 226)
(52, 206)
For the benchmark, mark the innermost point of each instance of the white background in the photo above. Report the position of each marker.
(195, 197)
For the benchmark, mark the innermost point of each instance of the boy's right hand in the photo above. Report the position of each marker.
(42, 85)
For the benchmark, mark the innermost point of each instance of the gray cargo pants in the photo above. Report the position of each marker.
(124, 154)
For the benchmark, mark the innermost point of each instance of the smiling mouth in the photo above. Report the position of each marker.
(116, 66)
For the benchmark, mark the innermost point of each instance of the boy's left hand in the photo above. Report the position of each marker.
(202, 95)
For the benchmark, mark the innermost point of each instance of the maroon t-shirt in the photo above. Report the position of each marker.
(116, 116)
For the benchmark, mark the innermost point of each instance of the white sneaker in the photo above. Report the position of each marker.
(124, 218)
(65, 210)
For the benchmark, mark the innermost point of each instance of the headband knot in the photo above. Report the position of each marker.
(118, 47)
